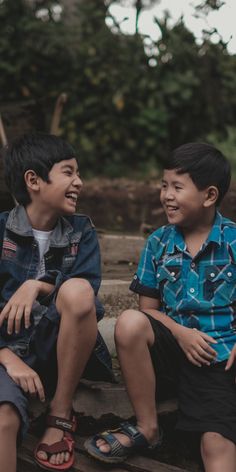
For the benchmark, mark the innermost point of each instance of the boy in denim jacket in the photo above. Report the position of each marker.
(49, 279)
(184, 332)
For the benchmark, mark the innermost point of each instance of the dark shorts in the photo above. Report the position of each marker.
(45, 365)
(42, 357)
(11, 393)
(206, 395)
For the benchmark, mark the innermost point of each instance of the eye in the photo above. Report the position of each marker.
(163, 186)
(67, 172)
(178, 188)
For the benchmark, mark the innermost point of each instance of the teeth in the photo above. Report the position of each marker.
(72, 194)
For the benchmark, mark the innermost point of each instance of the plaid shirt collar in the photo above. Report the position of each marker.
(176, 240)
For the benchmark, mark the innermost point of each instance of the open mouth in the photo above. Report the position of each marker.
(171, 208)
(72, 196)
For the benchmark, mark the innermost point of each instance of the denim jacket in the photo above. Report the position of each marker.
(73, 252)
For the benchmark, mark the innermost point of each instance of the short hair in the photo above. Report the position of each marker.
(35, 151)
(205, 164)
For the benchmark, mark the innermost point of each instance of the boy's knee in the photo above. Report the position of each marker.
(76, 296)
(131, 325)
(213, 444)
(9, 418)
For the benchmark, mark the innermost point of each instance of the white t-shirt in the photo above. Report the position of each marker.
(43, 239)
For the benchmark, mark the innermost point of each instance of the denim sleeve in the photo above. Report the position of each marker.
(87, 264)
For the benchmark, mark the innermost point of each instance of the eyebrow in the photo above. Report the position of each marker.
(174, 182)
(69, 166)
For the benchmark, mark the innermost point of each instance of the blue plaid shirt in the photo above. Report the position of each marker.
(197, 292)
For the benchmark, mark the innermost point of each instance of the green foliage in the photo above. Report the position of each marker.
(226, 145)
(126, 109)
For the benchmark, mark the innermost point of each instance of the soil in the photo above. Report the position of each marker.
(129, 206)
(123, 205)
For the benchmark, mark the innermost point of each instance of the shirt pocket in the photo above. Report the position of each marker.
(170, 284)
(219, 286)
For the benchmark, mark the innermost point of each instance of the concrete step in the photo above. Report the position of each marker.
(84, 463)
(116, 297)
(97, 399)
(120, 255)
(118, 248)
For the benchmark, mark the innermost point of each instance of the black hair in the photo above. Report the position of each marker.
(205, 164)
(38, 152)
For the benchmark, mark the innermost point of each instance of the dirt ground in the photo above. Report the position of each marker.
(128, 206)
(124, 206)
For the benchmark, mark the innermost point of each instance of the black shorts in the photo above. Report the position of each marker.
(41, 358)
(206, 395)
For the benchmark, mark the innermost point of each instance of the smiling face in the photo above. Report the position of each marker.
(59, 196)
(54, 198)
(184, 204)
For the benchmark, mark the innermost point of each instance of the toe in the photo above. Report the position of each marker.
(53, 459)
(102, 445)
(42, 455)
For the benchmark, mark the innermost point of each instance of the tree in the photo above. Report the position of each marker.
(125, 109)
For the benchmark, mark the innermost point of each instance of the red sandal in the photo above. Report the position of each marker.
(66, 444)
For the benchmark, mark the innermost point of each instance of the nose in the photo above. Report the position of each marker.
(167, 194)
(77, 182)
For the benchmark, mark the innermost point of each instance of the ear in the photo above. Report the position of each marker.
(212, 194)
(31, 180)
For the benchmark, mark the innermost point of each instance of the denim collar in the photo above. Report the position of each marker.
(18, 223)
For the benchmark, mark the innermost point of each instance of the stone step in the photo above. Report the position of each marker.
(120, 248)
(84, 463)
(115, 297)
(97, 399)
(120, 255)
(100, 398)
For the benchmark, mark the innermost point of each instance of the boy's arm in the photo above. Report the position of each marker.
(21, 303)
(194, 343)
(21, 373)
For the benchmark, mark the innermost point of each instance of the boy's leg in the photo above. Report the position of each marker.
(9, 428)
(13, 419)
(76, 339)
(134, 336)
(218, 453)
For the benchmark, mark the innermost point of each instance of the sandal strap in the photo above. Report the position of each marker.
(116, 448)
(56, 448)
(134, 434)
(137, 438)
(61, 423)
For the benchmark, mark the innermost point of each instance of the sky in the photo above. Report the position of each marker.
(223, 20)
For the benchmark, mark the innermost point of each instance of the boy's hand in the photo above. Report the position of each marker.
(25, 377)
(231, 359)
(20, 305)
(195, 345)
